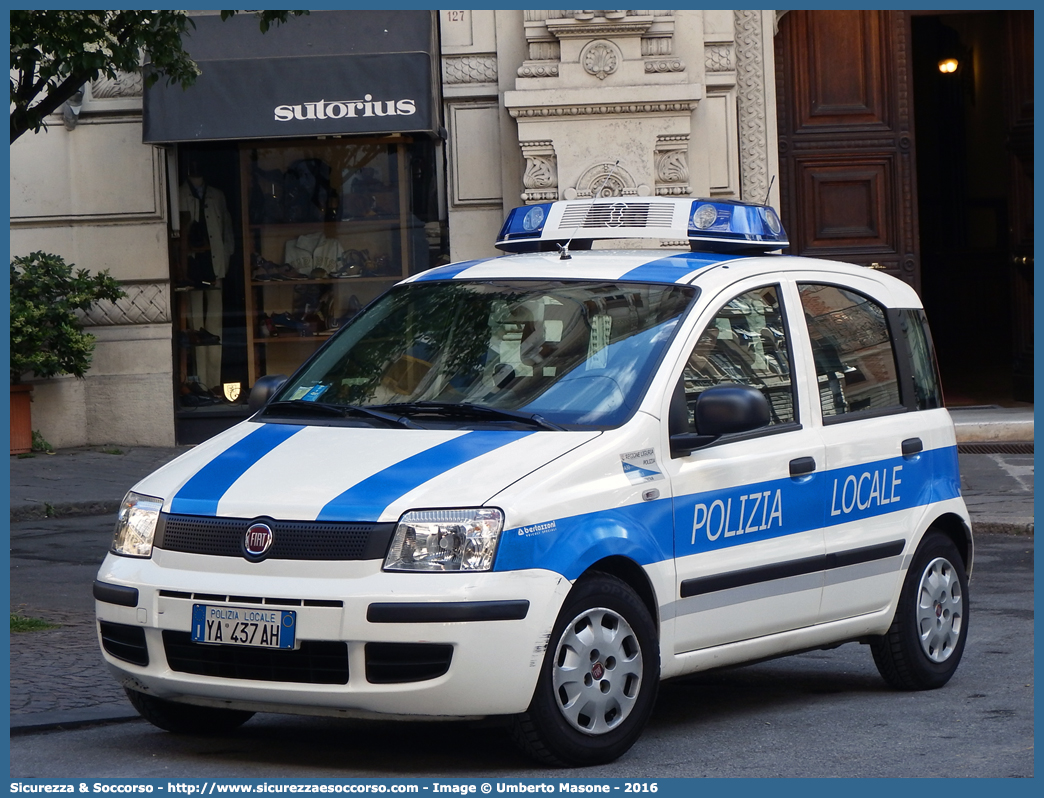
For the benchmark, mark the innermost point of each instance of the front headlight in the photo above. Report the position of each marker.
(445, 540)
(136, 525)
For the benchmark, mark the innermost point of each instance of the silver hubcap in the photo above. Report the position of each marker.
(940, 610)
(598, 671)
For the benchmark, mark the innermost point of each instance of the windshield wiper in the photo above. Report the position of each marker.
(468, 410)
(340, 411)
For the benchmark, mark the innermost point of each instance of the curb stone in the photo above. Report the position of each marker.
(34, 512)
(71, 719)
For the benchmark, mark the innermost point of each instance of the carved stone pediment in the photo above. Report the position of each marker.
(632, 44)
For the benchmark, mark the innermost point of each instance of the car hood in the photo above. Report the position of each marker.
(333, 473)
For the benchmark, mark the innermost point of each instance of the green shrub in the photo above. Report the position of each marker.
(47, 337)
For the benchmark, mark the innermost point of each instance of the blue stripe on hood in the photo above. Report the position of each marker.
(674, 267)
(201, 494)
(368, 499)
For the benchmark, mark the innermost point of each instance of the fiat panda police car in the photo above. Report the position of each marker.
(533, 486)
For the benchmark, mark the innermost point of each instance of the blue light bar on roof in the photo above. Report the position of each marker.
(725, 226)
(708, 225)
(526, 223)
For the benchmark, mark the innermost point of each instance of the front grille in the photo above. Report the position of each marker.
(315, 662)
(292, 540)
(125, 642)
(618, 214)
(396, 663)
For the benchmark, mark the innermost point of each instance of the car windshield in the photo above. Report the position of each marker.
(538, 352)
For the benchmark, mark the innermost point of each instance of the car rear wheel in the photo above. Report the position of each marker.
(186, 718)
(924, 645)
(599, 678)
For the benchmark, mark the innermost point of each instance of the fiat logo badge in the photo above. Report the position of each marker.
(257, 541)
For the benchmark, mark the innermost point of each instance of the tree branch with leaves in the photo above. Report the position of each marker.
(54, 53)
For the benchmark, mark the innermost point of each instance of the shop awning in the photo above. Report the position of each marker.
(328, 73)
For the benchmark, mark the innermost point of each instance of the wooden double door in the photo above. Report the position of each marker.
(848, 117)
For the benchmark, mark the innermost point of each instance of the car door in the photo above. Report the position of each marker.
(877, 459)
(747, 513)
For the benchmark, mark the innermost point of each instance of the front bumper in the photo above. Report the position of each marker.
(495, 627)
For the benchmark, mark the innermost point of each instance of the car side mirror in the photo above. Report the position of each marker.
(722, 410)
(264, 389)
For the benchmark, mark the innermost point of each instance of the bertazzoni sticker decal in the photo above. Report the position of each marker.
(641, 466)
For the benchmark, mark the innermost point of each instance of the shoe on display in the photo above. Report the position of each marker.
(193, 394)
(288, 322)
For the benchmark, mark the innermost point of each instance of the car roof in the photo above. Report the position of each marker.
(670, 267)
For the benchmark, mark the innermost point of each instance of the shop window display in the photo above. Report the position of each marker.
(329, 227)
(280, 244)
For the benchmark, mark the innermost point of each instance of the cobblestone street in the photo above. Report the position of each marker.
(60, 669)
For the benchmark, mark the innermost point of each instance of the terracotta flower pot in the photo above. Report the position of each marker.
(21, 419)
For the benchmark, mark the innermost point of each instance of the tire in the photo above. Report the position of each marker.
(186, 718)
(924, 645)
(598, 682)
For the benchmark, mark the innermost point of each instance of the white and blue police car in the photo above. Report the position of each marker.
(535, 485)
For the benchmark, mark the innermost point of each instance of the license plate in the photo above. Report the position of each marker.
(243, 626)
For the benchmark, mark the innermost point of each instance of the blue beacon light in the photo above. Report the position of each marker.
(723, 225)
(525, 222)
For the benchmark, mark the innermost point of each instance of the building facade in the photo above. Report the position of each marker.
(246, 233)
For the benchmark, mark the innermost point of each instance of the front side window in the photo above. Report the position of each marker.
(744, 344)
(852, 349)
(571, 353)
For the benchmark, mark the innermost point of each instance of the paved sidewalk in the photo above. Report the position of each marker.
(62, 508)
(86, 481)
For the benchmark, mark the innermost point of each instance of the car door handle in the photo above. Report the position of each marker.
(802, 466)
(912, 446)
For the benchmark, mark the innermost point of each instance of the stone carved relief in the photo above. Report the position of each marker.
(544, 70)
(545, 29)
(542, 16)
(545, 51)
(753, 113)
(656, 45)
(540, 171)
(541, 175)
(606, 180)
(126, 84)
(671, 65)
(671, 157)
(683, 106)
(600, 59)
(718, 58)
(145, 303)
(469, 69)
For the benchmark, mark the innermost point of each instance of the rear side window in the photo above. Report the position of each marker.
(925, 371)
(853, 351)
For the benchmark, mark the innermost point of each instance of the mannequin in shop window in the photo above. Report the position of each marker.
(207, 244)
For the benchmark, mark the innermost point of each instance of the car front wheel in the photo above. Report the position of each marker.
(599, 678)
(923, 647)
